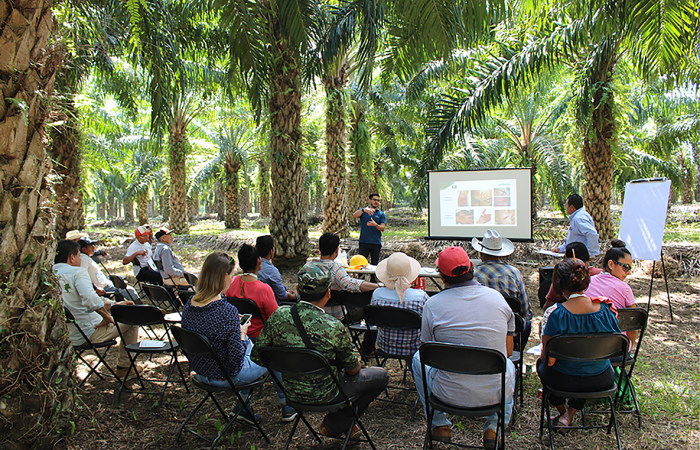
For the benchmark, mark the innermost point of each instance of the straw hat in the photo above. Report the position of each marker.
(74, 235)
(493, 244)
(398, 271)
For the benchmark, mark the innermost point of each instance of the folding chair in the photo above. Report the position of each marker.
(583, 348)
(162, 297)
(392, 319)
(353, 304)
(545, 282)
(142, 316)
(464, 360)
(120, 283)
(193, 343)
(80, 349)
(192, 279)
(631, 319)
(245, 306)
(300, 362)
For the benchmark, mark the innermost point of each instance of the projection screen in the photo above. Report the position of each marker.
(465, 203)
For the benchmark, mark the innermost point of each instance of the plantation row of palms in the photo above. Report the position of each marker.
(116, 105)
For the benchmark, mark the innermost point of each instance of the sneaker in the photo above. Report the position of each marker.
(490, 439)
(441, 434)
(288, 413)
(125, 372)
(354, 432)
(245, 416)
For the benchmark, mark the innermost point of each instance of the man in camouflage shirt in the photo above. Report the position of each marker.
(330, 337)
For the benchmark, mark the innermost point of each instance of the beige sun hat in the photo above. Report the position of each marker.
(493, 244)
(74, 235)
(397, 272)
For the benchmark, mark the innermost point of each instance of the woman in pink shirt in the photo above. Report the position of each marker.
(248, 286)
(617, 264)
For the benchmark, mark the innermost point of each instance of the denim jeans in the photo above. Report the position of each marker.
(249, 373)
(440, 417)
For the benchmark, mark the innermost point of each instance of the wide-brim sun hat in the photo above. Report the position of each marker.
(74, 235)
(493, 244)
(397, 265)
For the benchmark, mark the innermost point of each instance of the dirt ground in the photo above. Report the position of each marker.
(667, 381)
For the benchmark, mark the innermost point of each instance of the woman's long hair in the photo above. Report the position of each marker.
(212, 277)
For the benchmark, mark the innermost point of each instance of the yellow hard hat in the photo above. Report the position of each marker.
(358, 261)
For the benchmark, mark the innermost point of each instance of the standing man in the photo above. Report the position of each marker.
(581, 227)
(144, 268)
(372, 223)
(466, 313)
(269, 274)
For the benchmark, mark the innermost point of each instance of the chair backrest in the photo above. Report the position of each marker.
(392, 317)
(118, 281)
(294, 361)
(160, 295)
(245, 306)
(354, 303)
(546, 274)
(462, 359)
(336, 297)
(514, 304)
(159, 264)
(632, 319)
(191, 279)
(193, 343)
(587, 347)
(137, 315)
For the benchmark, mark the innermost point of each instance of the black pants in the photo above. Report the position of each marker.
(148, 275)
(573, 383)
(371, 252)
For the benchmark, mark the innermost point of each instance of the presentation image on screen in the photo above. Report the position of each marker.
(465, 203)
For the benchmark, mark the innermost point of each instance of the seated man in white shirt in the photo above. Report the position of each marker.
(103, 285)
(144, 268)
(91, 311)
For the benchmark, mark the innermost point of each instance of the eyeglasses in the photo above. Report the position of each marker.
(626, 267)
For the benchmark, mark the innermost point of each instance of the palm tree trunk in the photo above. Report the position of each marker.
(66, 154)
(288, 224)
(334, 211)
(219, 200)
(101, 210)
(35, 363)
(233, 213)
(244, 201)
(688, 185)
(178, 150)
(597, 158)
(361, 151)
(264, 187)
(129, 211)
(142, 206)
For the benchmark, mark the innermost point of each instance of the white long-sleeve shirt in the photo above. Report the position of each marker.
(80, 298)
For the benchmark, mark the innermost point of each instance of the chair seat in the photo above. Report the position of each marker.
(596, 394)
(88, 346)
(464, 410)
(362, 327)
(515, 357)
(617, 362)
(165, 349)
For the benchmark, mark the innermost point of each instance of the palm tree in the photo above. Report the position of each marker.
(655, 36)
(34, 366)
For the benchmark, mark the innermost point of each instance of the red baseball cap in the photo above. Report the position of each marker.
(450, 259)
(143, 230)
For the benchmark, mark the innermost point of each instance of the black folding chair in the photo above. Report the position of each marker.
(162, 297)
(95, 347)
(545, 282)
(583, 348)
(301, 362)
(142, 316)
(193, 343)
(120, 283)
(353, 304)
(465, 360)
(392, 318)
(192, 279)
(245, 306)
(631, 319)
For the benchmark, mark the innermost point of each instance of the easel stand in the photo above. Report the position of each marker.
(651, 285)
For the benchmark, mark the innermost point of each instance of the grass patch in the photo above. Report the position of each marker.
(669, 391)
(682, 232)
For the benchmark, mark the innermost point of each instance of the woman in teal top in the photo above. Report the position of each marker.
(578, 314)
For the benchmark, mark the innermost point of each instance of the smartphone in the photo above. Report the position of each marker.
(245, 318)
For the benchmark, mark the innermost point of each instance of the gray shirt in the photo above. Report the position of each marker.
(171, 265)
(474, 315)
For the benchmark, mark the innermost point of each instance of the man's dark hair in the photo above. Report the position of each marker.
(65, 249)
(327, 243)
(578, 250)
(467, 276)
(313, 298)
(248, 258)
(264, 244)
(373, 194)
(575, 200)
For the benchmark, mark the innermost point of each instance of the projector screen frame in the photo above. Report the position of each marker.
(483, 169)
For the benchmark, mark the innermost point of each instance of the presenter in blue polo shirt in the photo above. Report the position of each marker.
(372, 223)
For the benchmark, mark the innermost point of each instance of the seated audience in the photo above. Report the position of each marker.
(330, 337)
(397, 272)
(578, 314)
(210, 315)
(617, 264)
(497, 274)
(173, 272)
(91, 312)
(103, 285)
(466, 313)
(248, 286)
(140, 250)
(269, 274)
(576, 250)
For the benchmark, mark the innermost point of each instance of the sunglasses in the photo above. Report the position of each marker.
(626, 267)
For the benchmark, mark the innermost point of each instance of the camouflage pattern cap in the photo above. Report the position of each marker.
(314, 278)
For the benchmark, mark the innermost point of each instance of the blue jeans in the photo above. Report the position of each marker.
(249, 373)
(440, 417)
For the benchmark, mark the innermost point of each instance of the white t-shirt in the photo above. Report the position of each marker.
(96, 276)
(144, 260)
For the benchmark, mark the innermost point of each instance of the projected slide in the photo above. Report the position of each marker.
(464, 204)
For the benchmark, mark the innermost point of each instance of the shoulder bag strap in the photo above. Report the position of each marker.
(300, 327)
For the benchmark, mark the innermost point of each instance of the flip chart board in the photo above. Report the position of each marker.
(644, 217)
